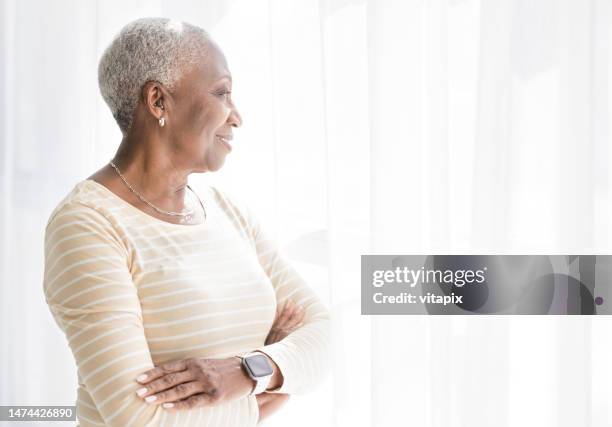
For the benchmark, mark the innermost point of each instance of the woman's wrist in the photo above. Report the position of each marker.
(277, 376)
(275, 381)
(249, 383)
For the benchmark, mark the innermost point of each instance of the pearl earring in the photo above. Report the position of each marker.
(162, 121)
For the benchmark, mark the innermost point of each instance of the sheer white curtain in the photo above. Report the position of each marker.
(490, 134)
(438, 126)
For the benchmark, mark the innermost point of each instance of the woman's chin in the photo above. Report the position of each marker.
(216, 164)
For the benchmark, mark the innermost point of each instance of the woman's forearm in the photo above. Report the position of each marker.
(288, 318)
(277, 377)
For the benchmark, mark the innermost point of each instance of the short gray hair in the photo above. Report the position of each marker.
(159, 49)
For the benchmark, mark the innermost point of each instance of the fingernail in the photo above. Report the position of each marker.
(141, 391)
(150, 398)
(168, 405)
(141, 378)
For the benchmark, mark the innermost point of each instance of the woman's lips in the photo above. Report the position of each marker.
(225, 141)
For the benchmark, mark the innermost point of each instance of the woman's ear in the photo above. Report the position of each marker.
(153, 98)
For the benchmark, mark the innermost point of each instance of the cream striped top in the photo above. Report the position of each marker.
(131, 291)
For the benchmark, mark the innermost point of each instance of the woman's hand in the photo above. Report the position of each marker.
(289, 317)
(195, 382)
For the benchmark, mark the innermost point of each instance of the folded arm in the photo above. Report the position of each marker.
(303, 356)
(90, 292)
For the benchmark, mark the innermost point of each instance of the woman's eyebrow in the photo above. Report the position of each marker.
(225, 76)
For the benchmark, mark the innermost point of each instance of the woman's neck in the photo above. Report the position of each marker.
(153, 172)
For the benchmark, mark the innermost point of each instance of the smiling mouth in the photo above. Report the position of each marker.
(225, 141)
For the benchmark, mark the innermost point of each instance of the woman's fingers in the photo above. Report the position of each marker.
(263, 398)
(161, 370)
(177, 393)
(286, 312)
(291, 309)
(203, 382)
(296, 317)
(289, 317)
(164, 383)
(272, 336)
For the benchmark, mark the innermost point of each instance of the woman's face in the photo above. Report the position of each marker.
(202, 114)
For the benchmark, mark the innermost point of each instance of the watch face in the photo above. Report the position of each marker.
(258, 365)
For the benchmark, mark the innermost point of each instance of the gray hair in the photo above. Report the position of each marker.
(159, 49)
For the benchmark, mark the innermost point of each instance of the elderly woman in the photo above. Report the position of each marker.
(170, 301)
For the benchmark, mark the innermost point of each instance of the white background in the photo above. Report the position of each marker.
(407, 127)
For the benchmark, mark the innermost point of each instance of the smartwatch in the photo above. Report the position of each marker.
(258, 368)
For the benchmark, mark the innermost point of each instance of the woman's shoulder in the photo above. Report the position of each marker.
(232, 204)
(84, 200)
(228, 199)
(238, 211)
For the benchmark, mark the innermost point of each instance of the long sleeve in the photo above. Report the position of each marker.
(89, 289)
(303, 357)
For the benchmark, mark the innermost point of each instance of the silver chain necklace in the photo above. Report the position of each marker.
(181, 214)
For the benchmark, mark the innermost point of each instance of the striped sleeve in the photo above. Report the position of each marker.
(303, 357)
(89, 290)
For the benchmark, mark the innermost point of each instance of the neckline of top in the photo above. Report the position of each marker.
(146, 215)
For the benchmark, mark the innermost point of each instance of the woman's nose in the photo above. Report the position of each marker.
(234, 118)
